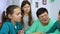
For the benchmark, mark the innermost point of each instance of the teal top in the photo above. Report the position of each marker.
(38, 27)
(9, 28)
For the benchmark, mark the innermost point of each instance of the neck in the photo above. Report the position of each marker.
(26, 14)
(44, 24)
(14, 22)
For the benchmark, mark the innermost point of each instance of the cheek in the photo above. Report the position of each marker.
(28, 8)
(15, 17)
(47, 16)
(41, 19)
(24, 9)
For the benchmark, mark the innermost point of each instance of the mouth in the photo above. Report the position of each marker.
(45, 20)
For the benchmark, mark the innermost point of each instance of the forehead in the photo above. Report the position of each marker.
(45, 13)
(26, 5)
(16, 10)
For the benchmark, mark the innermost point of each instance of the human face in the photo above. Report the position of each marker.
(16, 16)
(44, 18)
(26, 8)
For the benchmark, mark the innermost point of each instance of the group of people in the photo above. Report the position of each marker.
(18, 20)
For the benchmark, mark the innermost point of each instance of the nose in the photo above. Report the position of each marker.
(44, 17)
(20, 15)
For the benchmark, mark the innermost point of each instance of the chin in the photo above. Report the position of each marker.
(45, 22)
(19, 21)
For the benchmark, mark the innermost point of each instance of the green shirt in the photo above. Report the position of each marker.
(38, 27)
(54, 27)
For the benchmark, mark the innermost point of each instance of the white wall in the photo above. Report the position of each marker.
(53, 7)
(34, 9)
(2, 7)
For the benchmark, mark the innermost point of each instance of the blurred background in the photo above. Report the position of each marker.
(53, 6)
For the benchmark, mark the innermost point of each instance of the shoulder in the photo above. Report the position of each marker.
(6, 23)
(5, 27)
(52, 20)
(36, 22)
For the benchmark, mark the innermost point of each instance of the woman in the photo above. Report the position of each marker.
(26, 14)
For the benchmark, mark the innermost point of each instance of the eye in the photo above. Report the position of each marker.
(18, 13)
(24, 7)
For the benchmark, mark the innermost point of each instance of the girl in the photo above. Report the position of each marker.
(26, 14)
(11, 20)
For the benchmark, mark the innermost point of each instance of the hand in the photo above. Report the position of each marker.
(21, 32)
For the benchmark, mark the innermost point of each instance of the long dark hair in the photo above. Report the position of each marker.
(9, 10)
(29, 14)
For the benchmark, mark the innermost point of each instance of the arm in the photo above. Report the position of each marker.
(53, 28)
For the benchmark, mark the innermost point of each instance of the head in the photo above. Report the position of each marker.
(12, 13)
(42, 15)
(26, 9)
(59, 15)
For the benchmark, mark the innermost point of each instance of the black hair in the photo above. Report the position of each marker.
(59, 11)
(9, 10)
(41, 11)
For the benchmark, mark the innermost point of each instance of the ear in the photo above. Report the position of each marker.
(9, 16)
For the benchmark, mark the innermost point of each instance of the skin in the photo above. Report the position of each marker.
(16, 16)
(26, 9)
(44, 18)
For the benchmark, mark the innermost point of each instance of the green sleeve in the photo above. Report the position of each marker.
(32, 29)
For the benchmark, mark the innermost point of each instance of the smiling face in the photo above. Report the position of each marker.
(16, 16)
(44, 18)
